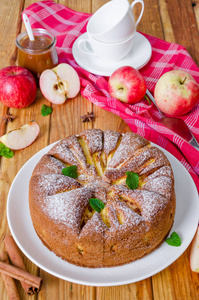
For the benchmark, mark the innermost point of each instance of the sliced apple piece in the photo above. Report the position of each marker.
(22, 137)
(60, 83)
(194, 254)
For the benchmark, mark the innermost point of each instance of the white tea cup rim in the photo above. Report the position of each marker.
(125, 6)
(112, 43)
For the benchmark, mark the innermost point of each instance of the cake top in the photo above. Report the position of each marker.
(103, 159)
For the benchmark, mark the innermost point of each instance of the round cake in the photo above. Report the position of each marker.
(129, 180)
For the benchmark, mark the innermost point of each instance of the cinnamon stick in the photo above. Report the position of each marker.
(17, 261)
(9, 281)
(21, 275)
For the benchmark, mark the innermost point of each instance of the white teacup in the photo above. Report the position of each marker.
(109, 52)
(114, 21)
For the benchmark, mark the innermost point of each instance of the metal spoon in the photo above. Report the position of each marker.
(176, 125)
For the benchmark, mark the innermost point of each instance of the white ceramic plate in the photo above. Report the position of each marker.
(185, 224)
(137, 58)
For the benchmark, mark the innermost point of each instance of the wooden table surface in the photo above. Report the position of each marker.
(172, 20)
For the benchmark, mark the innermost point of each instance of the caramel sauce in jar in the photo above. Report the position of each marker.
(37, 55)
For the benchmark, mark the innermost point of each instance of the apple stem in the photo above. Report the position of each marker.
(182, 82)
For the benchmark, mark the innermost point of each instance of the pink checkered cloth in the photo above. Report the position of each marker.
(142, 117)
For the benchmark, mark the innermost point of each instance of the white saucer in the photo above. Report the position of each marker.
(137, 58)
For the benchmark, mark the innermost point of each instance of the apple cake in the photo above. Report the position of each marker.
(118, 207)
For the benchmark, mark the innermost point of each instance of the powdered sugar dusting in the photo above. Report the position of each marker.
(151, 204)
(111, 139)
(129, 144)
(132, 149)
(54, 183)
(61, 151)
(162, 185)
(67, 208)
(49, 164)
(93, 138)
(127, 213)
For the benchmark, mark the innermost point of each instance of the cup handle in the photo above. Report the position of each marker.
(83, 46)
(141, 13)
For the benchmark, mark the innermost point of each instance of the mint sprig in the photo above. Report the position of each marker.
(174, 240)
(96, 204)
(46, 110)
(5, 151)
(70, 171)
(132, 180)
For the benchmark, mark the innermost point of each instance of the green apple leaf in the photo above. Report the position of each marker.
(70, 171)
(5, 151)
(132, 180)
(96, 204)
(174, 240)
(46, 110)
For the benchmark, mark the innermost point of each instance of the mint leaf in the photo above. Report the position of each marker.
(70, 171)
(5, 151)
(132, 180)
(96, 204)
(46, 110)
(174, 240)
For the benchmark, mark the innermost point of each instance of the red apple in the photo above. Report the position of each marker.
(59, 83)
(17, 87)
(127, 85)
(176, 92)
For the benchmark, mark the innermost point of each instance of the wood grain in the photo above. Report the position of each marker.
(175, 21)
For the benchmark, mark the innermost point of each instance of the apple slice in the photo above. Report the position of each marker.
(194, 254)
(60, 83)
(22, 137)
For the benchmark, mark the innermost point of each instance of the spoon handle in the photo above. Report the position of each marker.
(153, 100)
(194, 143)
(28, 27)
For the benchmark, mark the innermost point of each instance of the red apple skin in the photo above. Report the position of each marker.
(17, 87)
(127, 85)
(176, 93)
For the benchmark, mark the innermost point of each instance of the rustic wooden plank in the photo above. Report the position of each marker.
(179, 26)
(139, 291)
(160, 19)
(10, 27)
(167, 26)
(81, 6)
(195, 5)
(176, 280)
(9, 168)
(183, 21)
(107, 120)
(66, 120)
(150, 22)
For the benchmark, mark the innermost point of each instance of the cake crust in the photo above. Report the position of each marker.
(133, 222)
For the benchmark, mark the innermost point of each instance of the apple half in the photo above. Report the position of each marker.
(194, 254)
(59, 83)
(22, 137)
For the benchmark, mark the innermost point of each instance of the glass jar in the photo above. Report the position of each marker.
(37, 55)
